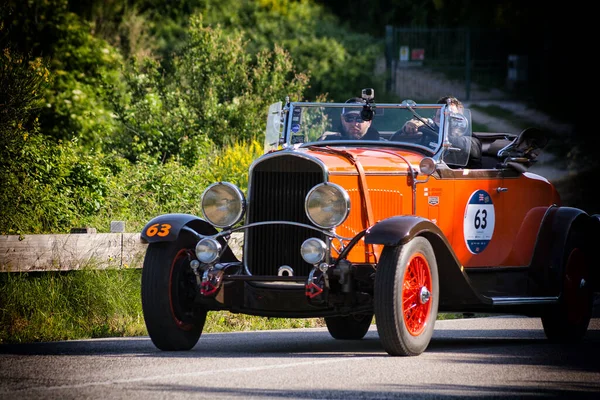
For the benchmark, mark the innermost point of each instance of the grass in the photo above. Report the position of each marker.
(51, 306)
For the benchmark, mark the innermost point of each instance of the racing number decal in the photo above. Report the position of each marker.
(159, 229)
(478, 224)
(480, 221)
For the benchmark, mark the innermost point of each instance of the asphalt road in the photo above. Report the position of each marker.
(496, 357)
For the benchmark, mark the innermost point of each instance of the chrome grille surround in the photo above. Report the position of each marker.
(277, 188)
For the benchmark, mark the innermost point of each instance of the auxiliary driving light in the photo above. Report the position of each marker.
(313, 250)
(208, 250)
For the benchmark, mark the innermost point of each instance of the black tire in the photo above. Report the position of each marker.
(168, 292)
(402, 274)
(568, 322)
(350, 327)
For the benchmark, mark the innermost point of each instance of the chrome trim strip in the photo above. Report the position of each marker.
(244, 227)
(288, 152)
(376, 105)
(524, 300)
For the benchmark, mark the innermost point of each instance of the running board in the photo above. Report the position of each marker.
(510, 301)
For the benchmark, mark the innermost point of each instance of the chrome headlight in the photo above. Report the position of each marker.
(313, 250)
(223, 204)
(327, 205)
(208, 250)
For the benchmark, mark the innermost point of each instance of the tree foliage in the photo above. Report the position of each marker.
(217, 93)
(93, 93)
(81, 67)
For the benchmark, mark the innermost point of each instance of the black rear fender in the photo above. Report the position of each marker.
(549, 258)
(455, 287)
(593, 234)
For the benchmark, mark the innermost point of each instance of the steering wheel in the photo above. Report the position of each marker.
(428, 136)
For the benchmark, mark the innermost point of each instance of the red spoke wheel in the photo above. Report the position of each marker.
(406, 297)
(416, 291)
(169, 288)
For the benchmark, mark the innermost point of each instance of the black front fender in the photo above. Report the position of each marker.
(456, 290)
(396, 231)
(167, 227)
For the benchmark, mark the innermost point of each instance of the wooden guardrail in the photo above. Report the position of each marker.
(32, 253)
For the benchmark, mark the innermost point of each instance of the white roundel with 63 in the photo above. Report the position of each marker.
(479, 220)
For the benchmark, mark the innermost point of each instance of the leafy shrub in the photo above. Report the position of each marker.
(338, 61)
(217, 93)
(82, 69)
(135, 193)
(231, 164)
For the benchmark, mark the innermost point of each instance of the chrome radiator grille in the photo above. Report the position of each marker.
(277, 189)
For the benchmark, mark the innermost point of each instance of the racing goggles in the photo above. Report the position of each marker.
(351, 118)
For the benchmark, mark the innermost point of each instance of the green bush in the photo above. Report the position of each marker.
(83, 67)
(217, 93)
(136, 193)
(44, 185)
(338, 60)
(32, 169)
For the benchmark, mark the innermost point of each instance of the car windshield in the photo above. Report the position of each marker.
(311, 122)
(340, 124)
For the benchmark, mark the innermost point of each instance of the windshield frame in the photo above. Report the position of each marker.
(295, 136)
(377, 107)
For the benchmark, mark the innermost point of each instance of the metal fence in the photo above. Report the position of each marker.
(426, 63)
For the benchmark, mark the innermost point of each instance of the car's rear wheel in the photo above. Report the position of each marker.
(406, 297)
(351, 327)
(168, 291)
(568, 322)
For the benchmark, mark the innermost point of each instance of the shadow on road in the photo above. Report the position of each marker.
(317, 343)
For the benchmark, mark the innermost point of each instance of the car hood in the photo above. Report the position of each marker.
(341, 160)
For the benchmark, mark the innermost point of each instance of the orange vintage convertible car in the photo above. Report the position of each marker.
(394, 229)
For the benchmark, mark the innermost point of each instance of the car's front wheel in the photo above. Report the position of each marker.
(351, 327)
(168, 292)
(406, 297)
